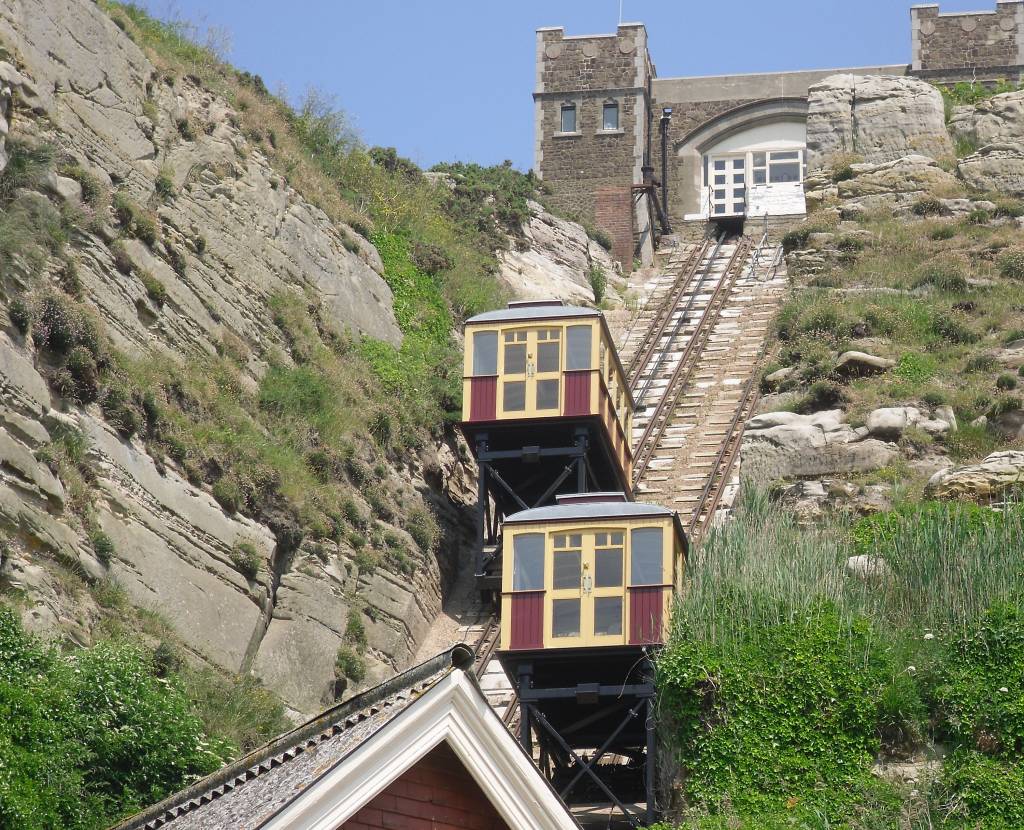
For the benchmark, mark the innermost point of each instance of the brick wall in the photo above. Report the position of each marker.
(965, 41)
(613, 211)
(437, 793)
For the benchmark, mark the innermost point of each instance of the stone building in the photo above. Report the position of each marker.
(736, 144)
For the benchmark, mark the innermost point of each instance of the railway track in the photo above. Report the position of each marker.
(698, 385)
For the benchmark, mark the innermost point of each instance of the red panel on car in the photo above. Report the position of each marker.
(577, 393)
(483, 399)
(645, 608)
(527, 620)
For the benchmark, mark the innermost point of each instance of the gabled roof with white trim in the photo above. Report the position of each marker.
(321, 773)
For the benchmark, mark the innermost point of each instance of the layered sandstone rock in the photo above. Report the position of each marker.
(988, 479)
(997, 120)
(877, 117)
(995, 168)
(554, 261)
(781, 445)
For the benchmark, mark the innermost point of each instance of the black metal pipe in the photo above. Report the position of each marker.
(666, 118)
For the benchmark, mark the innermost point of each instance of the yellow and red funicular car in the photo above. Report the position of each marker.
(593, 571)
(543, 365)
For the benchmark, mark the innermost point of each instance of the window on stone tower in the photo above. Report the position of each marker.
(568, 124)
(610, 117)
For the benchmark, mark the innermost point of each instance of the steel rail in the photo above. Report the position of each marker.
(659, 420)
(663, 314)
(680, 323)
(718, 479)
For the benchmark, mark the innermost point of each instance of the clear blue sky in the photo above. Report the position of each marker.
(452, 79)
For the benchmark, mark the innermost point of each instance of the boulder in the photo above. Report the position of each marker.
(780, 445)
(877, 117)
(773, 380)
(1010, 424)
(868, 568)
(907, 174)
(996, 120)
(946, 414)
(859, 364)
(890, 422)
(996, 167)
(1012, 356)
(981, 482)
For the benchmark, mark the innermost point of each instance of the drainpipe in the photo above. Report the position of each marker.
(666, 118)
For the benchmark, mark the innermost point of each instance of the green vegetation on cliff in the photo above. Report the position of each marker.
(787, 674)
(940, 297)
(99, 733)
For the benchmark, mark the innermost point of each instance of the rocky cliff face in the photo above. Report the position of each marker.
(228, 234)
(555, 260)
(878, 118)
(904, 231)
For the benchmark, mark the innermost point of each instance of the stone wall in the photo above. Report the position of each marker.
(983, 40)
(588, 72)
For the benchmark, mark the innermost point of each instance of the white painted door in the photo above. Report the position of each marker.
(727, 185)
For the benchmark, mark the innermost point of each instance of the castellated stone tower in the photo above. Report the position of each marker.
(968, 46)
(593, 122)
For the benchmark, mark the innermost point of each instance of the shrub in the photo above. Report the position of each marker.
(358, 473)
(942, 232)
(69, 280)
(949, 328)
(381, 428)
(944, 277)
(1006, 382)
(228, 493)
(980, 363)
(27, 163)
(355, 631)
(422, 527)
(842, 173)
(176, 258)
(164, 184)
(361, 228)
(979, 216)
(822, 394)
(1011, 265)
(353, 515)
(350, 665)
(20, 314)
(81, 365)
(601, 237)
(430, 259)
(349, 244)
(185, 129)
(796, 238)
(120, 410)
(598, 282)
(927, 206)
(246, 559)
(91, 736)
(102, 546)
(57, 323)
(122, 261)
(155, 289)
(1011, 208)
(145, 228)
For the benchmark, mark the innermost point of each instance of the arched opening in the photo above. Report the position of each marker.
(748, 161)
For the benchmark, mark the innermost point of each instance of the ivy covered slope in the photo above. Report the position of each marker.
(848, 650)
